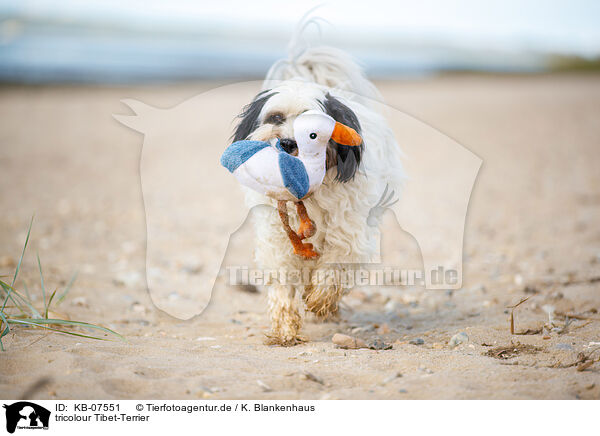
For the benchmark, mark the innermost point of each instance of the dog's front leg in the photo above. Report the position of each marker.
(323, 295)
(286, 320)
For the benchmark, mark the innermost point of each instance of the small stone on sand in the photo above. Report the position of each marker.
(350, 342)
(265, 387)
(458, 338)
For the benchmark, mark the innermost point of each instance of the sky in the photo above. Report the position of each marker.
(569, 26)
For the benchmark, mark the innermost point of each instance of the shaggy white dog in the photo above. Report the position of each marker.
(326, 79)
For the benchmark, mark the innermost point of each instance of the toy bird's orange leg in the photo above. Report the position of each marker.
(307, 226)
(301, 249)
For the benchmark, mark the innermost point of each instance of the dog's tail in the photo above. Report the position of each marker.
(323, 65)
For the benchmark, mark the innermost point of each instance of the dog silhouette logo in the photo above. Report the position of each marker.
(26, 415)
(182, 146)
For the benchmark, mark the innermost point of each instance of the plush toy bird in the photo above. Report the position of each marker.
(269, 170)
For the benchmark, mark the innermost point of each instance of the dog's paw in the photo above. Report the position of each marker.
(323, 302)
(284, 341)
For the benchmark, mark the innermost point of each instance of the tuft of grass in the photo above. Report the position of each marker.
(22, 312)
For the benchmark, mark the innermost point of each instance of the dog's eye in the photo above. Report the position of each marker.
(313, 136)
(276, 118)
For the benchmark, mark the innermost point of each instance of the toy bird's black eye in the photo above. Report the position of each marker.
(313, 136)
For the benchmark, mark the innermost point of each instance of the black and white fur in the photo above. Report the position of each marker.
(326, 79)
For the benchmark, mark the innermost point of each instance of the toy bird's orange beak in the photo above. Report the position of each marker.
(345, 135)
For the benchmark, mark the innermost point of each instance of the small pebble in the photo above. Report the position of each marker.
(458, 338)
(205, 392)
(350, 342)
(564, 346)
(79, 301)
(391, 306)
(402, 391)
(518, 279)
(378, 344)
(310, 376)
(265, 387)
(417, 341)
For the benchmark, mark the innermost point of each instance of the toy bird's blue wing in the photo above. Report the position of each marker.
(239, 152)
(295, 177)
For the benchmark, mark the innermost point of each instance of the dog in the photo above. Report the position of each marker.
(326, 79)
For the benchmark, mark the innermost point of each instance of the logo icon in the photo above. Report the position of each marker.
(26, 415)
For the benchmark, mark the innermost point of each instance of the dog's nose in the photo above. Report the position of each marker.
(289, 145)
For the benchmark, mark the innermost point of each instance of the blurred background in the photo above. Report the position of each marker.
(116, 41)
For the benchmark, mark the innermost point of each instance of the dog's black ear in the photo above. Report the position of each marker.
(346, 158)
(249, 116)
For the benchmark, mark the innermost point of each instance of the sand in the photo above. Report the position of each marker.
(532, 231)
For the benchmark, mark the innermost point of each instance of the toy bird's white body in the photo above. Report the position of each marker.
(262, 173)
(269, 170)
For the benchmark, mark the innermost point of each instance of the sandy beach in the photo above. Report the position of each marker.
(532, 231)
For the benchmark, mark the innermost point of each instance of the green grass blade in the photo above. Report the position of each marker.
(49, 303)
(41, 278)
(50, 321)
(13, 291)
(68, 287)
(5, 322)
(5, 331)
(10, 295)
(8, 292)
(36, 324)
(22, 253)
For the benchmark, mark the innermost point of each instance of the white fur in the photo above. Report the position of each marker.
(340, 210)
